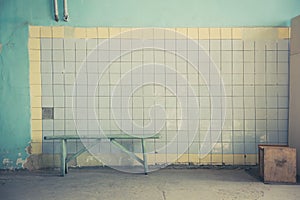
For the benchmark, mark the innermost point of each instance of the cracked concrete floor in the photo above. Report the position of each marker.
(166, 184)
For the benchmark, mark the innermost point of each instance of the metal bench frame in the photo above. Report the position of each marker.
(113, 139)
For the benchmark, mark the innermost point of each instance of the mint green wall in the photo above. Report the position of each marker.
(16, 15)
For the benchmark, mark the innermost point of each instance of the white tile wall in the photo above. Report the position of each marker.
(255, 76)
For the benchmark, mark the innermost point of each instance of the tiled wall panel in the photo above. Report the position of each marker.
(253, 69)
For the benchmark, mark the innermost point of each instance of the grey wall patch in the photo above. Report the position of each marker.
(48, 113)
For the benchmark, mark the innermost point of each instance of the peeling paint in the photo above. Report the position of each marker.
(89, 158)
(20, 161)
(33, 162)
(7, 163)
(42, 161)
(28, 149)
(0, 47)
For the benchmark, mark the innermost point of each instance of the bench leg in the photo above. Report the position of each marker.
(63, 165)
(145, 157)
(66, 167)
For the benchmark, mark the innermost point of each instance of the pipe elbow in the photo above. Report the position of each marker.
(66, 18)
(56, 18)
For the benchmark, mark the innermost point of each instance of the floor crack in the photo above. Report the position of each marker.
(164, 195)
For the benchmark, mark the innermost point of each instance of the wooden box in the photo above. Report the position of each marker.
(277, 163)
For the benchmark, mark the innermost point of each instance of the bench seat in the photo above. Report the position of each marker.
(113, 139)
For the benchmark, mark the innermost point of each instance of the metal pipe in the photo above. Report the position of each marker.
(66, 14)
(55, 10)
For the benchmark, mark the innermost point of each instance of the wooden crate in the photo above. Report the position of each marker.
(277, 163)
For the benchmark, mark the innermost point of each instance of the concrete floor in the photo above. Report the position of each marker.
(166, 184)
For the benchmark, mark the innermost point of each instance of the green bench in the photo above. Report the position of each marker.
(113, 139)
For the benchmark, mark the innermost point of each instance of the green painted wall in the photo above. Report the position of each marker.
(17, 15)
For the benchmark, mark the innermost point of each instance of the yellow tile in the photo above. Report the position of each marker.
(36, 125)
(34, 31)
(161, 158)
(34, 55)
(36, 113)
(36, 136)
(126, 32)
(91, 33)
(203, 33)
(46, 32)
(58, 31)
(283, 33)
(36, 102)
(35, 90)
(238, 159)
(148, 33)
(251, 159)
(228, 159)
(226, 33)
(103, 32)
(36, 147)
(193, 33)
(51, 160)
(136, 33)
(170, 33)
(194, 158)
(182, 31)
(150, 158)
(135, 162)
(171, 158)
(35, 79)
(114, 32)
(35, 67)
(205, 159)
(159, 33)
(86, 159)
(69, 32)
(34, 43)
(214, 33)
(79, 32)
(125, 29)
(217, 159)
(183, 159)
(236, 33)
(259, 33)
